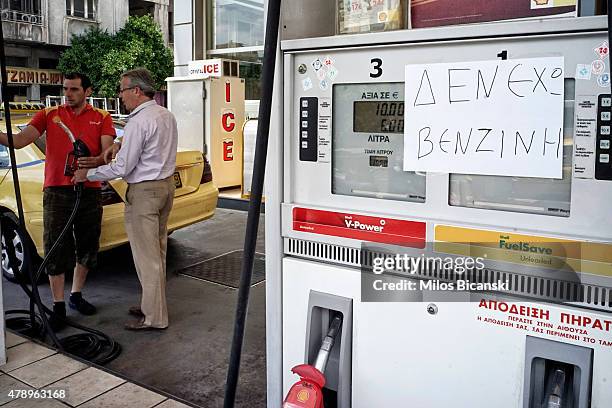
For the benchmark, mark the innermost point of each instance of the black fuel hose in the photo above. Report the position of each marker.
(18, 323)
(24, 324)
(94, 345)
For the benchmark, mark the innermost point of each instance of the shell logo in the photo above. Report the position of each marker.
(303, 396)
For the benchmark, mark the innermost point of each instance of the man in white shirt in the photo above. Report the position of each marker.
(146, 160)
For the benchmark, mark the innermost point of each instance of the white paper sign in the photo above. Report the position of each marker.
(485, 117)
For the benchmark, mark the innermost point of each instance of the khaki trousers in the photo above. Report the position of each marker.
(147, 207)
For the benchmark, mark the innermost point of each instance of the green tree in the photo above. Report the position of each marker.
(86, 53)
(138, 44)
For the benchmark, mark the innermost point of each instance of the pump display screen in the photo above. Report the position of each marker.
(378, 116)
(368, 143)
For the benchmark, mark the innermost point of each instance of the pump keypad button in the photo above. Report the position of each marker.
(603, 167)
(308, 133)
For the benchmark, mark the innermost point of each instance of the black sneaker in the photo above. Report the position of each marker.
(57, 321)
(81, 305)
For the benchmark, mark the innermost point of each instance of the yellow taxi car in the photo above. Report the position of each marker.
(195, 198)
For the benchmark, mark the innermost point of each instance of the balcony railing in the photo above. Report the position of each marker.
(21, 17)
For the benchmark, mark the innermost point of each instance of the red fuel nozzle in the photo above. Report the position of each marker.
(307, 392)
(79, 149)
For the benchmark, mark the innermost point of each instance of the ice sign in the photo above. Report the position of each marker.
(485, 117)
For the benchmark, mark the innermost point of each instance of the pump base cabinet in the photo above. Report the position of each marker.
(427, 150)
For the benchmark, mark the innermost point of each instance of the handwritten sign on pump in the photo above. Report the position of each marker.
(485, 117)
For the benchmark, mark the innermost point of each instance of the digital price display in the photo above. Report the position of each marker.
(378, 116)
(368, 143)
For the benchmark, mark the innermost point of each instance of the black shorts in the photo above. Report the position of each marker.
(82, 241)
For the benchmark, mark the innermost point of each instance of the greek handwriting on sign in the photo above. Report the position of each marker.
(486, 117)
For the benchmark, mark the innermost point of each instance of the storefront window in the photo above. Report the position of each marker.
(238, 23)
(238, 34)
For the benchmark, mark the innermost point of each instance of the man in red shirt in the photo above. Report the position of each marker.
(95, 128)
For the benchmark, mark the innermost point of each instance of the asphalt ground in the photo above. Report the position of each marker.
(188, 360)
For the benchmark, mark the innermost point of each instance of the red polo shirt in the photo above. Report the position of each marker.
(89, 126)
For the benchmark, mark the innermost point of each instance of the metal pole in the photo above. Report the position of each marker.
(261, 149)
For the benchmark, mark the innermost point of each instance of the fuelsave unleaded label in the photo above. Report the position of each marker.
(362, 227)
(544, 252)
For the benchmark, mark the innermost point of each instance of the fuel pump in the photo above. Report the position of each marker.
(370, 162)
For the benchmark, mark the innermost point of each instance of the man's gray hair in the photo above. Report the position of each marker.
(142, 78)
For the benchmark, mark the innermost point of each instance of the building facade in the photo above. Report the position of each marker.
(160, 10)
(231, 29)
(37, 31)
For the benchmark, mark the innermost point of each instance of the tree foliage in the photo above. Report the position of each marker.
(103, 57)
(85, 54)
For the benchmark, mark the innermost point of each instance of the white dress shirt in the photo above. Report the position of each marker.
(148, 149)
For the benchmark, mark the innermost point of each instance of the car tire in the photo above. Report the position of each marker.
(10, 234)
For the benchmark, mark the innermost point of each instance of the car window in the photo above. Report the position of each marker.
(4, 157)
(41, 143)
